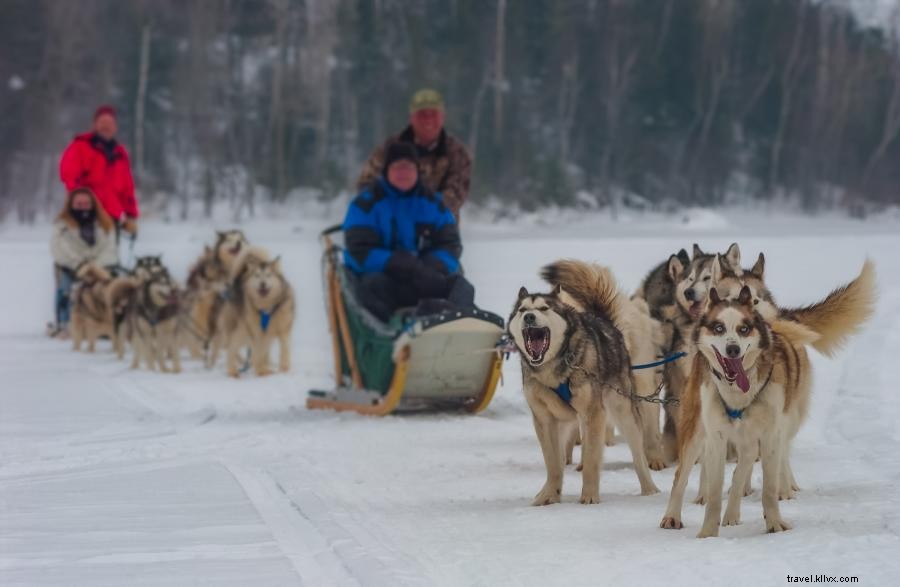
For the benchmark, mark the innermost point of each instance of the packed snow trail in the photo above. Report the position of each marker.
(110, 476)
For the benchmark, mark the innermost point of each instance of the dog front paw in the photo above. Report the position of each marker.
(700, 499)
(777, 525)
(590, 497)
(657, 464)
(708, 531)
(671, 523)
(547, 496)
(650, 489)
(731, 518)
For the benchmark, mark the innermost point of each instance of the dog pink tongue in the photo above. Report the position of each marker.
(740, 377)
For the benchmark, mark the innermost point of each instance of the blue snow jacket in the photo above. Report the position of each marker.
(382, 220)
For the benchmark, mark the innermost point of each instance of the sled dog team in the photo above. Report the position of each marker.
(235, 298)
(743, 386)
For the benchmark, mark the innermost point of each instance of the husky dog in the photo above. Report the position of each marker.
(692, 283)
(258, 309)
(120, 299)
(153, 323)
(658, 288)
(641, 333)
(575, 368)
(751, 393)
(206, 282)
(90, 313)
(148, 266)
(755, 395)
(228, 247)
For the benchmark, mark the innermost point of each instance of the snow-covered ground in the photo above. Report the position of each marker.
(115, 477)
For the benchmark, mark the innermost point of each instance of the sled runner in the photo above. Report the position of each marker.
(438, 362)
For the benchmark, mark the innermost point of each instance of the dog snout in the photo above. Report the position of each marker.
(530, 319)
(733, 351)
(689, 294)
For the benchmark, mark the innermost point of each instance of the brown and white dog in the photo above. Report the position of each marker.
(749, 384)
(91, 317)
(258, 309)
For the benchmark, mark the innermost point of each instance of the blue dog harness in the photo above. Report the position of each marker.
(264, 318)
(563, 391)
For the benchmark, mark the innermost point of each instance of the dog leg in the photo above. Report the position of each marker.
(91, 329)
(75, 326)
(260, 354)
(610, 435)
(652, 437)
(174, 353)
(669, 435)
(686, 460)
(702, 496)
(284, 351)
(771, 466)
(548, 435)
(571, 434)
(231, 359)
(746, 455)
(213, 355)
(787, 485)
(714, 461)
(592, 446)
(627, 419)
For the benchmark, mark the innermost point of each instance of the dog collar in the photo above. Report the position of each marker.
(732, 413)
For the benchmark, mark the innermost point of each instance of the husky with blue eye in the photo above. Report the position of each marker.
(749, 384)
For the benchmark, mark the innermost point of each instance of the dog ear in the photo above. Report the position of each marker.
(207, 250)
(556, 290)
(746, 297)
(276, 263)
(697, 251)
(733, 258)
(674, 268)
(759, 268)
(523, 293)
(220, 235)
(717, 268)
(684, 257)
(714, 299)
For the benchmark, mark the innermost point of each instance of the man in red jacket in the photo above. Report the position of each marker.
(95, 160)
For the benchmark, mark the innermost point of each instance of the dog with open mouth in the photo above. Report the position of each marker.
(576, 370)
(750, 385)
(228, 248)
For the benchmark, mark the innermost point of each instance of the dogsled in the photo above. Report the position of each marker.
(446, 361)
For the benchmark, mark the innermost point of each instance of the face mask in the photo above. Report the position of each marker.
(83, 216)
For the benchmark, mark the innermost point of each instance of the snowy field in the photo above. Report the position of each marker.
(115, 477)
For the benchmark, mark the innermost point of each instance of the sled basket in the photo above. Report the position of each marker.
(438, 362)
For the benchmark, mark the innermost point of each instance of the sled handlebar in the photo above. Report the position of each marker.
(332, 230)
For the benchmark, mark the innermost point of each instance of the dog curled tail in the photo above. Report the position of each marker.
(591, 286)
(841, 313)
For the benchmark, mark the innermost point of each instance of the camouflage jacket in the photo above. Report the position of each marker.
(445, 168)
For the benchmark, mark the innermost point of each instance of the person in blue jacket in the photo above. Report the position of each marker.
(403, 243)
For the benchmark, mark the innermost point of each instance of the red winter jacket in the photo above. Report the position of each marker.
(84, 164)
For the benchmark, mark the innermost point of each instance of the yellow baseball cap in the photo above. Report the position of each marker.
(426, 98)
